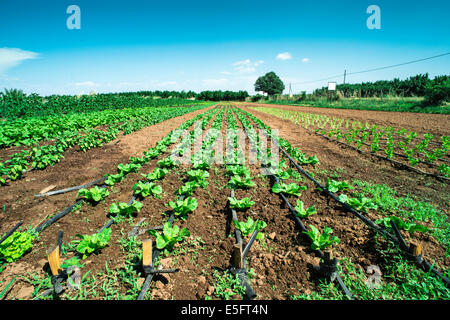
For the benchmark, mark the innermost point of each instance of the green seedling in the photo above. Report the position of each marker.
(301, 212)
(240, 205)
(170, 236)
(94, 195)
(321, 241)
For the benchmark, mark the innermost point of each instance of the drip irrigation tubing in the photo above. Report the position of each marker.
(10, 232)
(52, 220)
(397, 241)
(52, 193)
(237, 232)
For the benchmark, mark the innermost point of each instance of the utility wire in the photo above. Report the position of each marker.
(375, 69)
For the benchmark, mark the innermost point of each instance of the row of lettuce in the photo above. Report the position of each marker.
(46, 140)
(387, 141)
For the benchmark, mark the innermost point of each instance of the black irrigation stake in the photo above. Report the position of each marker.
(155, 253)
(399, 241)
(10, 232)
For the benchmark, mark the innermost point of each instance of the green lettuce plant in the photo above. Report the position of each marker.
(15, 246)
(147, 189)
(124, 210)
(113, 179)
(247, 228)
(94, 194)
(157, 174)
(238, 182)
(301, 212)
(290, 189)
(335, 186)
(182, 208)
(169, 237)
(321, 241)
(360, 203)
(92, 243)
(240, 205)
(409, 227)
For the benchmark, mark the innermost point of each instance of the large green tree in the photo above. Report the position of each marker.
(269, 83)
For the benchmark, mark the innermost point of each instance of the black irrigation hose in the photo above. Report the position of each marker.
(425, 265)
(107, 225)
(10, 232)
(51, 193)
(237, 232)
(243, 278)
(52, 220)
(249, 244)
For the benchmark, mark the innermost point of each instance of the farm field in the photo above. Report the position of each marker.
(385, 222)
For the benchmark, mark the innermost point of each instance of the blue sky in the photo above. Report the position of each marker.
(207, 45)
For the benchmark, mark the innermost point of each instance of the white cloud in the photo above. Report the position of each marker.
(246, 66)
(167, 83)
(86, 84)
(284, 56)
(305, 60)
(245, 62)
(11, 57)
(225, 72)
(214, 82)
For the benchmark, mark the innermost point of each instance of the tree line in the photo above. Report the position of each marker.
(416, 86)
(216, 95)
(15, 103)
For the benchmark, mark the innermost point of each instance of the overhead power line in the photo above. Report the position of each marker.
(375, 69)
